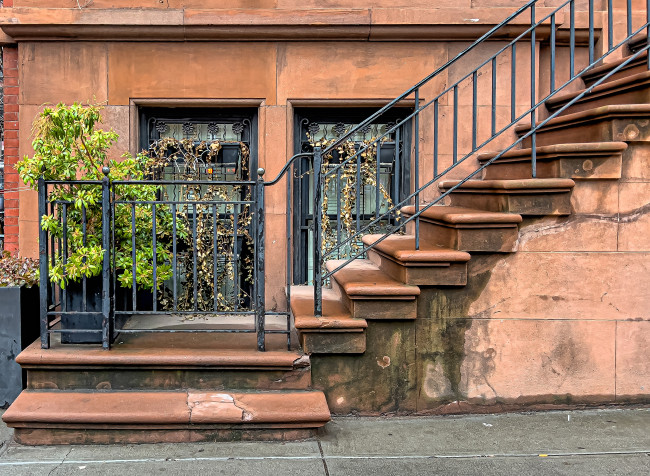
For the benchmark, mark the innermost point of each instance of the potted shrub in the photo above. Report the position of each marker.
(18, 327)
(68, 146)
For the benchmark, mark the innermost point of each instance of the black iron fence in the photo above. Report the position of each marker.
(147, 248)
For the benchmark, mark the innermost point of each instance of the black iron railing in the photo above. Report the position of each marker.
(198, 253)
(552, 31)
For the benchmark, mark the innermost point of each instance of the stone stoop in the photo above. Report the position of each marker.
(527, 197)
(630, 88)
(166, 388)
(78, 417)
(592, 143)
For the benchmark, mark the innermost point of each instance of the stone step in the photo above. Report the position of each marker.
(69, 417)
(430, 265)
(619, 123)
(629, 89)
(637, 65)
(530, 197)
(595, 160)
(168, 362)
(638, 42)
(335, 332)
(466, 229)
(369, 293)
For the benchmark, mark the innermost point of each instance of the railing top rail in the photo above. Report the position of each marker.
(448, 89)
(533, 130)
(436, 72)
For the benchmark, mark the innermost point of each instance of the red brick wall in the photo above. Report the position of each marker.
(10, 62)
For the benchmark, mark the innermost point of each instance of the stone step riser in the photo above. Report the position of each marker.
(637, 95)
(377, 308)
(454, 274)
(167, 379)
(587, 168)
(494, 239)
(526, 204)
(639, 65)
(604, 130)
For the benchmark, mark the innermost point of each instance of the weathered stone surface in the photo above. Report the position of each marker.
(559, 285)
(560, 361)
(196, 65)
(634, 204)
(63, 72)
(633, 361)
(572, 233)
(333, 342)
(379, 381)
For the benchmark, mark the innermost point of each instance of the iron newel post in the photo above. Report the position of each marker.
(106, 295)
(318, 221)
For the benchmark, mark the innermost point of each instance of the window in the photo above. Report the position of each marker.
(363, 203)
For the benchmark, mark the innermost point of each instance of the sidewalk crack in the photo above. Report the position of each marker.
(62, 461)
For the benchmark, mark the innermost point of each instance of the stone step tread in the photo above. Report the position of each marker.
(335, 314)
(402, 248)
(549, 152)
(615, 111)
(132, 354)
(112, 408)
(461, 215)
(638, 42)
(361, 278)
(597, 72)
(531, 185)
(632, 81)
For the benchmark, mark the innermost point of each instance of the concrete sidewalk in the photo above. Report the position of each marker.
(584, 442)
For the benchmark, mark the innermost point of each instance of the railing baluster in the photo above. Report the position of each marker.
(339, 227)
(318, 220)
(647, 31)
(398, 166)
(552, 79)
(215, 256)
(134, 283)
(455, 126)
(416, 150)
(235, 254)
(572, 39)
(259, 261)
(533, 96)
(174, 260)
(513, 84)
(358, 193)
(106, 265)
(474, 101)
(289, 262)
(629, 17)
(43, 264)
(591, 32)
(64, 253)
(195, 281)
(493, 121)
(610, 24)
(84, 294)
(377, 179)
(435, 139)
(155, 257)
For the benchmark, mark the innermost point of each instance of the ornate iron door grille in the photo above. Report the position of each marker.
(361, 206)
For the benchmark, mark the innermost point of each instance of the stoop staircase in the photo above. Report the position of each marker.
(590, 139)
(191, 387)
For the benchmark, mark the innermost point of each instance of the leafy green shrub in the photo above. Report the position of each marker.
(67, 146)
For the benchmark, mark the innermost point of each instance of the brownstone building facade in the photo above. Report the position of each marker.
(554, 314)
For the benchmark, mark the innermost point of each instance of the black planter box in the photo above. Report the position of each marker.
(19, 327)
(74, 302)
